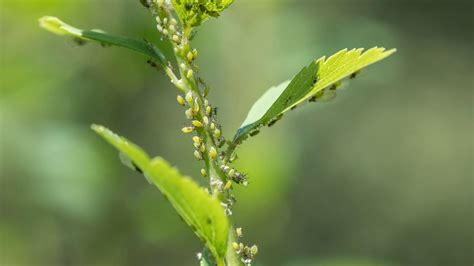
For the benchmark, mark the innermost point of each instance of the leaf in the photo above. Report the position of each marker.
(199, 210)
(58, 27)
(315, 82)
(192, 13)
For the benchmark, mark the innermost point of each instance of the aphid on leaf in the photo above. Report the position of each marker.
(145, 3)
(129, 163)
(254, 133)
(335, 86)
(355, 74)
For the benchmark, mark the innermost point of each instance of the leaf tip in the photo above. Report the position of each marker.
(57, 26)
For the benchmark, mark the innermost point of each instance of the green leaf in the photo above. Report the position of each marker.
(199, 210)
(57, 26)
(315, 82)
(192, 13)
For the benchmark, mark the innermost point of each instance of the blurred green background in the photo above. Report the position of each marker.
(381, 176)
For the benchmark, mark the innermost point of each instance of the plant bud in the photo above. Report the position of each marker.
(208, 110)
(187, 129)
(190, 57)
(228, 185)
(205, 120)
(190, 74)
(202, 148)
(175, 38)
(189, 113)
(197, 140)
(203, 172)
(235, 246)
(165, 21)
(231, 173)
(165, 32)
(197, 123)
(197, 154)
(189, 97)
(172, 29)
(213, 153)
(213, 126)
(217, 133)
(180, 100)
(182, 66)
(254, 250)
(238, 231)
(195, 53)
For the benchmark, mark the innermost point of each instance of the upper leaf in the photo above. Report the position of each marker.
(57, 26)
(194, 12)
(314, 82)
(199, 210)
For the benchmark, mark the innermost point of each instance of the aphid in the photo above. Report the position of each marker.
(254, 133)
(335, 86)
(231, 173)
(276, 119)
(203, 172)
(145, 3)
(214, 111)
(205, 119)
(293, 107)
(129, 163)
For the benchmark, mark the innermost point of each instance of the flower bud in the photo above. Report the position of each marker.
(180, 100)
(238, 232)
(203, 172)
(176, 38)
(190, 74)
(189, 97)
(231, 173)
(197, 154)
(189, 113)
(235, 246)
(197, 123)
(254, 250)
(217, 133)
(205, 120)
(213, 153)
(208, 110)
(197, 140)
(228, 185)
(190, 57)
(187, 129)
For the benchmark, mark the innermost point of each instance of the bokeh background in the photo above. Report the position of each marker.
(383, 175)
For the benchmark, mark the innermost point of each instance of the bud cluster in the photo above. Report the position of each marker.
(247, 254)
(234, 175)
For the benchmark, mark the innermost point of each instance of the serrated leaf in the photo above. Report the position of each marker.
(193, 13)
(57, 26)
(312, 82)
(199, 210)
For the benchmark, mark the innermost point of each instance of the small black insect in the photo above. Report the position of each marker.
(145, 3)
(254, 133)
